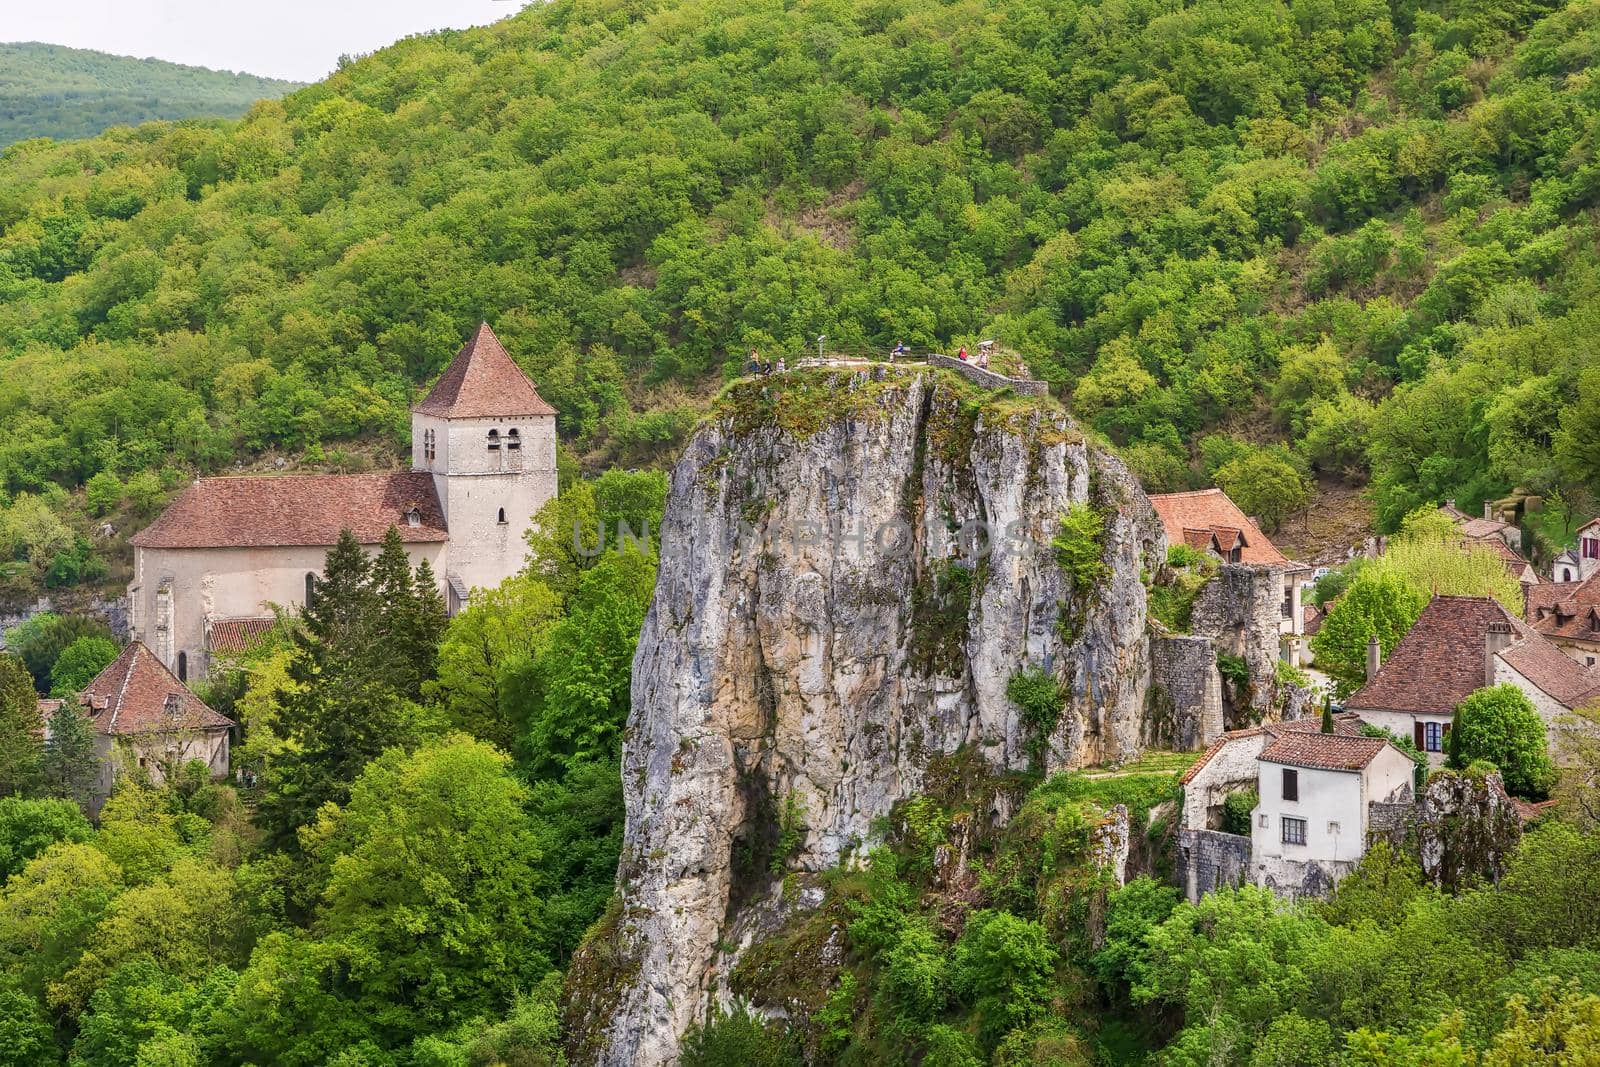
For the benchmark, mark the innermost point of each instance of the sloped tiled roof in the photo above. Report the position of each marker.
(1516, 564)
(1208, 513)
(1440, 661)
(300, 509)
(1345, 724)
(1566, 609)
(1565, 679)
(483, 381)
(1329, 752)
(136, 694)
(1474, 529)
(236, 635)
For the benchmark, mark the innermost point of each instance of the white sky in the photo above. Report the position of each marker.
(298, 39)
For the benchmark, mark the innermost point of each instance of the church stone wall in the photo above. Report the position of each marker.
(174, 590)
(1241, 609)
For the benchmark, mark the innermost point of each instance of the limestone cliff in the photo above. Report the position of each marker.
(853, 565)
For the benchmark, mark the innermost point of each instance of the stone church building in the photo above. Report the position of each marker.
(207, 572)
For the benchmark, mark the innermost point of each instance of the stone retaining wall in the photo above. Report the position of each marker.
(988, 378)
(1209, 860)
(1185, 693)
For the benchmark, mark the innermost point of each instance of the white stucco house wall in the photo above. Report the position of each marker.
(211, 568)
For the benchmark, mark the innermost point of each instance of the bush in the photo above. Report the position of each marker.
(738, 1039)
(1005, 968)
(1236, 810)
(1039, 696)
(1499, 725)
(78, 663)
(1079, 548)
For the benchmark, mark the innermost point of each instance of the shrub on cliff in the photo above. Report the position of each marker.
(1499, 725)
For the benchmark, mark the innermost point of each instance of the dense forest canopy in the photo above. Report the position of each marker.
(47, 90)
(1364, 228)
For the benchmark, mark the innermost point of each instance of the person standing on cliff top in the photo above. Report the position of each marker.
(754, 365)
(782, 369)
(897, 351)
(962, 355)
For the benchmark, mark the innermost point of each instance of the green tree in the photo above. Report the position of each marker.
(433, 868)
(68, 766)
(20, 727)
(737, 1036)
(27, 1037)
(78, 663)
(1265, 483)
(574, 695)
(482, 650)
(1004, 966)
(1379, 603)
(41, 639)
(28, 827)
(1499, 725)
(357, 657)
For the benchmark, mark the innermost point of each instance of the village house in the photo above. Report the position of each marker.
(1474, 528)
(1582, 560)
(1314, 793)
(1568, 613)
(1460, 644)
(1315, 790)
(144, 716)
(209, 571)
(1209, 521)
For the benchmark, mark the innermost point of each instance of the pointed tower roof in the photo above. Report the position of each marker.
(483, 381)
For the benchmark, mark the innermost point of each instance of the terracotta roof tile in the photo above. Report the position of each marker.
(1473, 529)
(300, 509)
(1331, 752)
(1211, 511)
(237, 635)
(1345, 724)
(1440, 660)
(1552, 670)
(136, 694)
(483, 381)
(1566, 609)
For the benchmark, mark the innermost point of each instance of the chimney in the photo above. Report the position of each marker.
(1488, 509)
(1374, 657)
(1495, 639)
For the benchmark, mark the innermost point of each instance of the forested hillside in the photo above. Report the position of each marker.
(50, 91)
(1362, 229)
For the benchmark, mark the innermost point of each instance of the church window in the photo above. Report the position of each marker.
(502, 519)
(183, 666)
(494, 440)
(429, 446)
(513, 438)
(311, 589)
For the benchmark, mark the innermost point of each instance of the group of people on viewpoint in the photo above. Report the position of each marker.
(757, 367)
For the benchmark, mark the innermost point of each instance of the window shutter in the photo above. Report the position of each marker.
(1418, 731)
(1291, 784)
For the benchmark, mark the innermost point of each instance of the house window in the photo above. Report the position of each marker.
(1432, 737)
(502, 519)
(428, 448)
(1294, 831)
(494, 440)
(1263, 822)
(1288, 604)
(1588, 661)
(1591, 548)
(513, 439)
(1291, 784)
(311, 589)
(183, 666)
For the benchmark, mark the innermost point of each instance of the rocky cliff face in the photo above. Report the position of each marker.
(853, 566)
